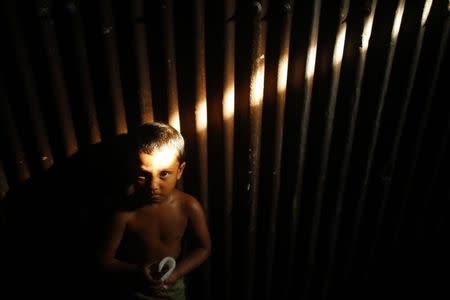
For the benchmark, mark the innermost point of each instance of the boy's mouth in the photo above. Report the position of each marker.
(156, 198)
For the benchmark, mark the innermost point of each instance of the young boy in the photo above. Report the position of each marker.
(138, 239)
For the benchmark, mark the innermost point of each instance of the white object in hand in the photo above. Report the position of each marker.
(170, 261)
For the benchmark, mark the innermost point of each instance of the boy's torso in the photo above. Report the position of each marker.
(155, 231)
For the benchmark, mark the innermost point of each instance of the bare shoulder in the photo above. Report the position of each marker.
(190, 204)
(122, 217)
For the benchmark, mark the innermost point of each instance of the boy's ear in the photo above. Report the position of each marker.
(180, 170)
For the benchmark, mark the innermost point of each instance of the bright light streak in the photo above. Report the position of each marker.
(201, 115)
(339, 48)
(174, 120)
(228, 102)
(426, 11)
(282, 74)
(398, 20)
(257, 84)
(367, 32)
(311, 62)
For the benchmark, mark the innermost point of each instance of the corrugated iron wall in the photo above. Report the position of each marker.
(317, 131)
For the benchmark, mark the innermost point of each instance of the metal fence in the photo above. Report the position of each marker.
(317, 131)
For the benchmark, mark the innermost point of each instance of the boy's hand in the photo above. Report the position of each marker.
(172, 278)
(155, 285)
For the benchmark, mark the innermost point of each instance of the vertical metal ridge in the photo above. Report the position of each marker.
(282, 73)
(304, 125)
(417, 146)
(365, 38)
(257, 62)
(391, 160)
(11, 138)
(228, 127)
(88, 110)
(60, 95)
(376, 127)
(369, 13)
(170, 63)
(201, 101)
(112, 68)
(141, 61)
(201, 118)
(326, 141)
(43, 153)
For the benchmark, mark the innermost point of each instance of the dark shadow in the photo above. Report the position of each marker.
(52, 223)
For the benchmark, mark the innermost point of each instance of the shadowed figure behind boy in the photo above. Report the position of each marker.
(50, 224)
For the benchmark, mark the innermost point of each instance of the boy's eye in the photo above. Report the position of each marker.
(164, 174)
(141, 178)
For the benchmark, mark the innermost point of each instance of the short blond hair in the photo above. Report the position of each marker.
(157, 135)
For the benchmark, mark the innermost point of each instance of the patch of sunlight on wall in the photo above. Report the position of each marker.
(174, 120)
(311, 62)
(367, 32)
(228, 103)
(282, 74)
(257, 84)
(339, 48)
(201, 116)
(426, 11)
(398, 20)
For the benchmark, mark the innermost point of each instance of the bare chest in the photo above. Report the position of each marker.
(163, 223)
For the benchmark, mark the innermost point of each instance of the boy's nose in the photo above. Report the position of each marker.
(154, 184)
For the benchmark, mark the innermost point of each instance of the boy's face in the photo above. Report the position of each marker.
(158, 173)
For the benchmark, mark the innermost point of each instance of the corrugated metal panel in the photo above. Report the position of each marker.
(317, 131)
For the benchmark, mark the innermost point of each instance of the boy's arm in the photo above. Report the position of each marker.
(201, 232)
(109, 246)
